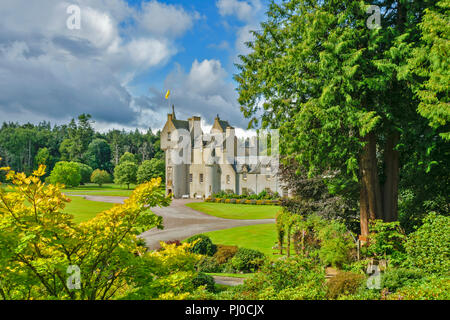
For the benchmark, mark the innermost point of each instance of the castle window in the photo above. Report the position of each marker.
(268, 177)
(244, 176)
(228, 179)
(201, 177)
(190, 177)
(168, 136)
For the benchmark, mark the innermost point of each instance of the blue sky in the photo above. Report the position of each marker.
(118, 65)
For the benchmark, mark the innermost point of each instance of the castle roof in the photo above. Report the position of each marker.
(181, 124)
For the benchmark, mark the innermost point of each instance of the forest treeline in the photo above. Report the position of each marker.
(24, 146)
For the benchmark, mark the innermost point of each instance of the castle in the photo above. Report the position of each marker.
(200, 164)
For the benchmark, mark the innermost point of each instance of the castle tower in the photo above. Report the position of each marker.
(176, 172)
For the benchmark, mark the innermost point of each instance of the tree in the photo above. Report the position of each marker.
(42, 157)
(39, 242)
(85, 172)
(128, 157)
(98, 154)
(431, 63)
(100, 177)
(79, 136)
(150, 169)
(125, 173)
(335, 90)
(67, 173)
(317, 195)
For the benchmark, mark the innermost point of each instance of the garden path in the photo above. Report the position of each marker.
(180, 221)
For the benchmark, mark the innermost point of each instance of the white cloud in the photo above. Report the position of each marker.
(243, 10)
(50, 72)
(203, 91)
(250, 12)
(166, 20)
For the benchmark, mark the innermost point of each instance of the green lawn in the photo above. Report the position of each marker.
(235, 211)
(84, 210)
(260, 237)
(109, 189)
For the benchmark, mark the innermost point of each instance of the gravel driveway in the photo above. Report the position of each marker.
(180, 221)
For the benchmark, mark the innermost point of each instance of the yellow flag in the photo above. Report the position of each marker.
(167, 94)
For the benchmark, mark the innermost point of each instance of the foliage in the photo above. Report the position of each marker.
(21, 143)
(125, 173)
(85, 172)
(263, 195)
(98, 155)
(203, 245)
(393, 279)
(336, 244)
(432, 288)
(294, 278)
(208, 264)
(247, 260)
(67, 173)
(176, 242)
(338, 93)
(43, 157)
(387, 240)
(128, 157)
(38, 242)
(204, 280)
(430, 62)
(150, 169)
(428, 247)
(344, 283)
(319, 195)
(100, 177)
(225, 253)
(164, 274)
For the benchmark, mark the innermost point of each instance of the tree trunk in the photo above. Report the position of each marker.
(390, 188)
(288, 243)
(370, 192)
(364, 210)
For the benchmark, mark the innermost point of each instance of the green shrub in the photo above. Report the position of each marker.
(335, 244)
(67, 173)
(247, 260)
(344, 283)
(433, 288)
(387, 240)
(85, 172)
(125, 173)
(394, 279)
(100, 177)
(204, 280)
(208, 264)
(225, 253)
(428, 247)
(204, 245)
(286, 279)
(150, 169)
